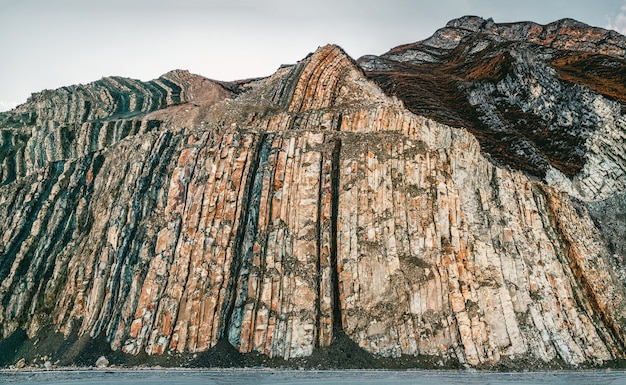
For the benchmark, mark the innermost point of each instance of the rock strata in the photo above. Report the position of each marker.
(279, 215)
(541, 99)
(77, 120)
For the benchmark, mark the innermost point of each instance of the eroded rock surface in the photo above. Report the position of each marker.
(74, 121)
(547, 100)
(281, 213)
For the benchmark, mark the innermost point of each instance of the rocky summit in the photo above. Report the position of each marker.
(455, 202)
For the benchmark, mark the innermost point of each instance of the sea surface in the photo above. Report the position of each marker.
(277, 377)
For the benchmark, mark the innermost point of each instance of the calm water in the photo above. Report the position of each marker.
(276, 377)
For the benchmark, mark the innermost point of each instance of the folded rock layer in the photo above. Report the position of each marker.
(280, 213)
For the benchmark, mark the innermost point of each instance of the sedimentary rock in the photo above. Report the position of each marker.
(547, 100)
(280, 213)
(74, 121)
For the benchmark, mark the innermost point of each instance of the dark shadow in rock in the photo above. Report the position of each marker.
(10, 347)
(224, 355)
(84, 351)
(343, 353)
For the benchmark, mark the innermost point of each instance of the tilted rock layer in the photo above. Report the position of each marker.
(479, 221)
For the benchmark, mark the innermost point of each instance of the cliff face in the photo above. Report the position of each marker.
(74, 121)
(547, 100)
(331, 200)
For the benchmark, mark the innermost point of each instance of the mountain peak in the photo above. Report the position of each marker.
(471, 23)
(565, 33)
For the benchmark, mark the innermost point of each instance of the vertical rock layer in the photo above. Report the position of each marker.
(280, 213)
(73, 121)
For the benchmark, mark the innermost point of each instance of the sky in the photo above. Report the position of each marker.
(46, 44)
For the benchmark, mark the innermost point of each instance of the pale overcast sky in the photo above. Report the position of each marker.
(47, 44)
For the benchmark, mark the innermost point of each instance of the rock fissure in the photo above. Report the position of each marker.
(318, 249)
(334, 228)
(134, 214)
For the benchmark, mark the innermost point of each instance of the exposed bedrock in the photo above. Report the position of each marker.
(546, 100)
(73, 121)
(280, 213)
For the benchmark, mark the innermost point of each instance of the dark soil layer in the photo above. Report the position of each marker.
(343, 353)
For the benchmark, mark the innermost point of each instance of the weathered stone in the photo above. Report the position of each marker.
(546, 100)
(310, 205)
(74, 121)
(21, 363)
(102, 362)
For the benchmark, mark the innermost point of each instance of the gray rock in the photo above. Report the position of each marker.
(102, 362)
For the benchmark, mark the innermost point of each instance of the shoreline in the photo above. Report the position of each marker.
(119, 369)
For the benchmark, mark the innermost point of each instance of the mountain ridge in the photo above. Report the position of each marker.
(320, 210)
(460, 85)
